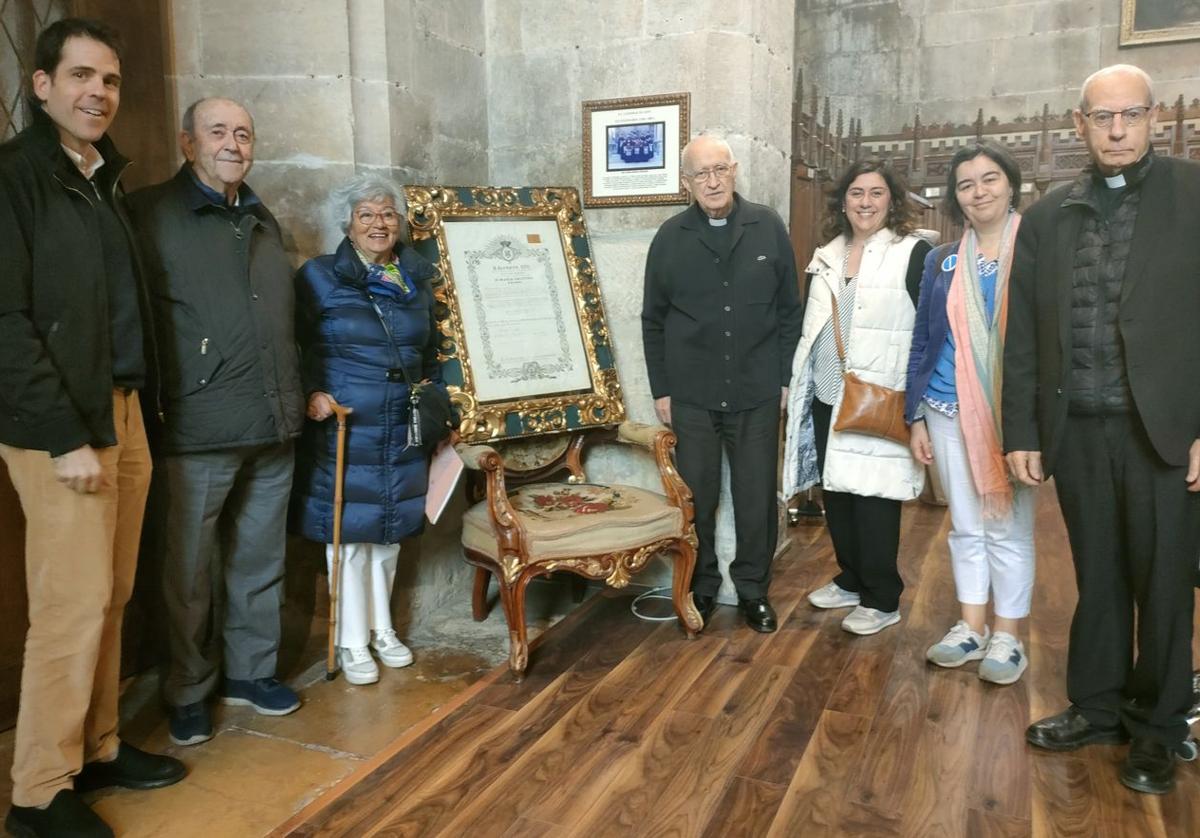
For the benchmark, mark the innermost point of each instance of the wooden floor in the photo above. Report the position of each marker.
(624, 727)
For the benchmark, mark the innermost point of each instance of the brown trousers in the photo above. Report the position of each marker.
(80, 560)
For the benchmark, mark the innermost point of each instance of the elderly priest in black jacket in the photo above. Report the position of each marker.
(721, 316)
(1101, 366)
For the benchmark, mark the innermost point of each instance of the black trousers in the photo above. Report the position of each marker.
(751, 440)
(865, 533)
(1135, 536)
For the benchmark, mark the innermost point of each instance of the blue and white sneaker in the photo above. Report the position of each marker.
(266, 695)
(1005, 661)
(961, 644)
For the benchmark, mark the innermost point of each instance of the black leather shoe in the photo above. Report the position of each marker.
(132, 769)
(706, 605)
(1149, 767)
(1070, 730)
(759, 614)
(67, 814)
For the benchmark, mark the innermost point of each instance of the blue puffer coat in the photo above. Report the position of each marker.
(346, 352)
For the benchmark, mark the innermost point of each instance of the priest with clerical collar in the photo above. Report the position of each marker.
(721, 315)
(1100, 369)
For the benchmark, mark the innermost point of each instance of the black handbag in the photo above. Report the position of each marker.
(430, 414)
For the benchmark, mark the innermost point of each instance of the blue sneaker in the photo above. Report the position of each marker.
(266, 695)
(191, 724)
(1005, 661)
(960, 645)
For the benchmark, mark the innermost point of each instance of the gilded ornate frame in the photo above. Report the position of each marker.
(674, 141)
(429, 208)
(1131, 36)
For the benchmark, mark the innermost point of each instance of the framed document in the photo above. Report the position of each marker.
(523, 342)
(631, 150)
(1159, 21)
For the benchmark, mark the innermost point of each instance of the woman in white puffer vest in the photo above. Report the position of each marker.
(873, 264)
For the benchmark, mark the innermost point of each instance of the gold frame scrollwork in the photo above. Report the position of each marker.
(429, 208)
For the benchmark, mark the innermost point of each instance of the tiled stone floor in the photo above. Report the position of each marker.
(259, 770)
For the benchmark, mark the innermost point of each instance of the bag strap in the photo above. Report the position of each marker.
(837, 318)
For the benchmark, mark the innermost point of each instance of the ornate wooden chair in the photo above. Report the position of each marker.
(522, 526)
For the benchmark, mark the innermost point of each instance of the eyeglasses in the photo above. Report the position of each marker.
(1130, 117)
(721, 171)
(366, 217)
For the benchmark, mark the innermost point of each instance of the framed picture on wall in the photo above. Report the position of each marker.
(1159, 21)
(523, 342)
(631, 150)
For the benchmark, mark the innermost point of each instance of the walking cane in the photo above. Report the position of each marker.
(335, 570)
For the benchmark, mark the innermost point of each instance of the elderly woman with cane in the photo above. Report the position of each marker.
(953, 403)
(367, 336)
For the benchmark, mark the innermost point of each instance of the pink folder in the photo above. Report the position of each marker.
(444, 471)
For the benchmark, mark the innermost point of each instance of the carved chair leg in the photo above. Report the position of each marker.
(513, 598)
(685, 608)
(479, 603)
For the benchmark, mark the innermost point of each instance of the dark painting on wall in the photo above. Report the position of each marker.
(1159, 21)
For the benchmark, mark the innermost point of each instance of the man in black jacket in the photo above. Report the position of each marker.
(71, 432)
(721, 316)
(1101, 360)
(221, 286)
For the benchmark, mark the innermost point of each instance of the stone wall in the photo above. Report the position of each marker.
(879, 60)
(469, 92)
(545, 57)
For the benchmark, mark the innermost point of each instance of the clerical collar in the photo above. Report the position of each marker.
(718, 222)
(1115, 182)
(1131, 176)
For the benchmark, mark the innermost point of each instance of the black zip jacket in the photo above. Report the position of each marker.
(56, 375)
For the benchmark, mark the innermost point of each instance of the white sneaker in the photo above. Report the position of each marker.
(391, 651)
(961, 644)
(357, 665)
(1005, 661)
(869, 621)
(833, 596)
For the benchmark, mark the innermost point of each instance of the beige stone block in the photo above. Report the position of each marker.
(536, 165)
(1045, 61)
(297, 195)
(367, 25)
(184, 55)
(502, 25)
(237, 784)
(552, 24)
(340, 716)
(455, 161)
(412, 133)
(986, 24)
(671, 64)
(774, 23)
(463, 23)
(942, 75)
(304, 37)
(668, 17)
(532, 98)
(454, 81)
(372, 122)
(727, 97)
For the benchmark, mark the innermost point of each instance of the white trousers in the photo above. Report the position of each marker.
(364, 590)
(997, 554)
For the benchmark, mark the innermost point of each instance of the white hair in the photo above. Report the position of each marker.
(715, 139)
(1112, 70)
(366, 186)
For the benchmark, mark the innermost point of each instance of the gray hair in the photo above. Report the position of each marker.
(365, 186)
(715, 139)
(188, 123)
(1112, 70)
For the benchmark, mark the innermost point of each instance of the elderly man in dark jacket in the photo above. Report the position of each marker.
(71, 432)
(1100, 368)
(223, 307)
(721, 315)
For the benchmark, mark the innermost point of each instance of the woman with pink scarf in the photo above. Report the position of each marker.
(953, 406)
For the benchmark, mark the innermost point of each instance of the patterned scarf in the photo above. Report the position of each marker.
(979, 366)
(386, 279)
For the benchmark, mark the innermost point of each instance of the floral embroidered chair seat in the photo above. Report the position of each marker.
(594, 530)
